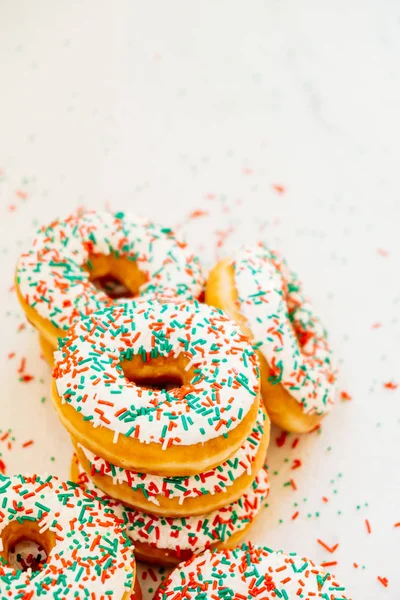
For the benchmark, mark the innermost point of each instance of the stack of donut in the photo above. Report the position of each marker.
(160, 393)
(162, 403)
(167, 399)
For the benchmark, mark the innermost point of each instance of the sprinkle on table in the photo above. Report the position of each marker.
(390, 385)
(330, 549)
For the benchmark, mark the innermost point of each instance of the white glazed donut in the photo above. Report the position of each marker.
(196, 425)
(88, 551)
(250, 572)
(54, 278)
(297, 372)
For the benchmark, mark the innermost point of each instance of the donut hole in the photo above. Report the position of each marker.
(157, 373)
(25, 547)
(112, 287)
(116, 276)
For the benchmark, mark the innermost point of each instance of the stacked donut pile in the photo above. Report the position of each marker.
(168, 399)
(160, 393)
(188, 459)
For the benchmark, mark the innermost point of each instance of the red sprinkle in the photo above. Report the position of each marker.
(330, 549)
(198, 213)
(316, 428)
(382, 252)
(281, 439)
(384, 581)
(28, 443)
(390, 385)
(279, 188)
(345, 395)
(152, 574)
(368, 526)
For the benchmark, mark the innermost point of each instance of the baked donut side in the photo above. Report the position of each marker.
(168, 540)
(184, 495)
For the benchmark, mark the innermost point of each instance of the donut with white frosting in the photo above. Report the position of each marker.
(82, 537)
(105, 386)
(55, 278)
(298, 373)
(250, 572)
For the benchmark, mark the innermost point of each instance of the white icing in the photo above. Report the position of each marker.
(250, 572)
(52, 281)
(274, 307)
(89, 377)
(63, 508)
(193, 533)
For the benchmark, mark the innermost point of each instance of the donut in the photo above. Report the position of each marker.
(249, 571)
(58, 280)
(265, 298)
(187, 495)
(168, 540)
(83, 538)
(105, 366)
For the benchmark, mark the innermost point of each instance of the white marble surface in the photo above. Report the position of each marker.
(166, 108)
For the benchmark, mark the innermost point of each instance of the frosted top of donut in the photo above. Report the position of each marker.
(196, 532)
(222, 390)
(285, 328)
(91, 553)
(52, 278)
(250, 572)
(213, 481)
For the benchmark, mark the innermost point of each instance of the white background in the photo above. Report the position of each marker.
(166, 108)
